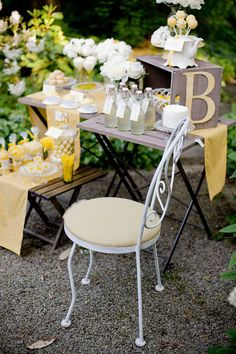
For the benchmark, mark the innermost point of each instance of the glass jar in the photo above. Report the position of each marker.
(64, 144)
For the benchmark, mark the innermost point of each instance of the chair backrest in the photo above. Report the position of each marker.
(160, 189)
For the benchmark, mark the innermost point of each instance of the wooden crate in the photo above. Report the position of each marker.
(198, 87)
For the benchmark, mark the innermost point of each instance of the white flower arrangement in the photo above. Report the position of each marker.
(193, 4)
(82, 51)
(110, 47)
(118, 68)
(17, 89)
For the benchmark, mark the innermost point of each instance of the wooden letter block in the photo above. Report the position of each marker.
(198, 88)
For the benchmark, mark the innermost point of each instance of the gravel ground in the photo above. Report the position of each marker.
(191, 314)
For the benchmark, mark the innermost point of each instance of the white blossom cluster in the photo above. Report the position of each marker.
(112, 54)
(193, 4)
(232, 297)
(83, 53)
(119, 68)
(17, 89)
(35, 46)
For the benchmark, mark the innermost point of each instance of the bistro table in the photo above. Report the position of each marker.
(156, 140)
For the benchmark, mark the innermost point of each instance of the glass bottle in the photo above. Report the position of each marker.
(137, 116)
(119, 92)
(123, 111)
(133, 89)
(110, 107)
(149, 109)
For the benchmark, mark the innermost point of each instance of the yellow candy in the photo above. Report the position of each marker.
(180, 14)
(171, 21)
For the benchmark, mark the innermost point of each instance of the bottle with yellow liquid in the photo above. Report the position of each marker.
(137, 116)
(149, 109)
(123, 111)
(109, 108)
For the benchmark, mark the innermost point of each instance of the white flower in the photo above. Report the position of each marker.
(194, 4)
(17, 89)
(3, 26)
(15, 17)
(135, 70)
(0, 5)
(11, 53)
(78, 63)
(89, 63)
(115, 69)
(33, 46)
(70, 51)
(160, 36)
(110, 47)
(87, 50)
(90, 42)
(232, 297)
(12, 68)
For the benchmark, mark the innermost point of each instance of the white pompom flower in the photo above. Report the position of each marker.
(135, 70)
(15, 17)
(89, 63)
(78, 63)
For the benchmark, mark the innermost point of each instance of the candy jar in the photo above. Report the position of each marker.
(64, 143)
(4, 158)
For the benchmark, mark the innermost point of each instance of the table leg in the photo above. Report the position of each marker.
(125, 179)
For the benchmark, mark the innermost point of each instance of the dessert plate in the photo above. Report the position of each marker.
(52, 100)
(88, 109)
(31, 170)
(69, 104)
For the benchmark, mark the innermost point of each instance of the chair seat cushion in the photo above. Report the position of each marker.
(108, 222)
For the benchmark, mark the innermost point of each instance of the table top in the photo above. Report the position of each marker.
(34, 100)
(153, 139)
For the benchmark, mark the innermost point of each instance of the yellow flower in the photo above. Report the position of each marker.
(47, 143)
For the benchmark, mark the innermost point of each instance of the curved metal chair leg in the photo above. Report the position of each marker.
(67, 322)
(86, 280)
(140, 342)
(159, 287)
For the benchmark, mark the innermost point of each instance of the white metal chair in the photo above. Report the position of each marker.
(117, 225)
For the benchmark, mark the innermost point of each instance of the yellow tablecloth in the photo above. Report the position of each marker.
(215, 151)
